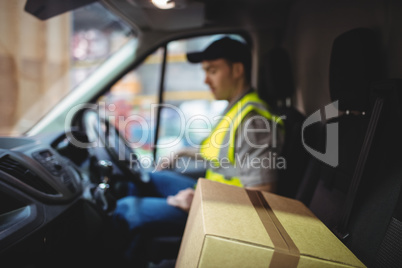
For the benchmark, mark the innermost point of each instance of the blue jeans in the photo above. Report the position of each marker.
(142, 215)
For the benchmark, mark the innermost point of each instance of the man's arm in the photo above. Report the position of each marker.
(258, 144)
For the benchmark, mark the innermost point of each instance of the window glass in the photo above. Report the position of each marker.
(45, 60)
(132, 104)
(95, 35)
(189, 110)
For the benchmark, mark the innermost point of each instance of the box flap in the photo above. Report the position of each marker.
(225, 208)
(220, 252)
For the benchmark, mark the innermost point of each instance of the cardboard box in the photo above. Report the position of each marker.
(230, 226)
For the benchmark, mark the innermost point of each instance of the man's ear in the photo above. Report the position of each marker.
(238, 69)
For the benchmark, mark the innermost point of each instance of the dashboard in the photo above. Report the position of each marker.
(56, 200)
(47, 210)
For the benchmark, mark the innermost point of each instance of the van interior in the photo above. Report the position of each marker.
(95, 92)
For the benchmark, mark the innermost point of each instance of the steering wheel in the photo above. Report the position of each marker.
(108, 143)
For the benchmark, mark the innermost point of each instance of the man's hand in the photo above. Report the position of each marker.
(182, 199)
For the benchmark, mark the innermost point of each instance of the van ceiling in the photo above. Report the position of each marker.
(198, 13)
(188, 14)
(46, 9)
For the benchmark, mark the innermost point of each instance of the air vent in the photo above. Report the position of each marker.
(25, 175)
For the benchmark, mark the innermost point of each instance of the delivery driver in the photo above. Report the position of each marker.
(239, 150)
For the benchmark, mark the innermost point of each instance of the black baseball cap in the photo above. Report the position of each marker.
(225, 48)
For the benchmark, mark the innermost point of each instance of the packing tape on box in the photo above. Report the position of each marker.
(286, 253)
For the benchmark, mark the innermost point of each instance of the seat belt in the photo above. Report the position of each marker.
(341, 229)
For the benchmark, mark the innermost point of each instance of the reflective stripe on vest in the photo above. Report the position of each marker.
(220, 143)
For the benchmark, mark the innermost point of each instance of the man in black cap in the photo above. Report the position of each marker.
(239, 151)
(251, 135)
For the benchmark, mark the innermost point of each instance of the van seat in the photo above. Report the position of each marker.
(354, 69)
(277, 88)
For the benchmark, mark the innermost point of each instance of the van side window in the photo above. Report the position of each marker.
(130, 101)
(189, 109)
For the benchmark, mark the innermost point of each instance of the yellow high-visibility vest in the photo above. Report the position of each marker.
(218, 147)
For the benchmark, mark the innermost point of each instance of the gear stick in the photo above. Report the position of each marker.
(101, 194)
(105, 170)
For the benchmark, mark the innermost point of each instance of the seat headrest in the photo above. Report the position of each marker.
(277, 75)
(355, 63)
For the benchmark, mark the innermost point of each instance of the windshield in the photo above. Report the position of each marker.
(43, 61)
